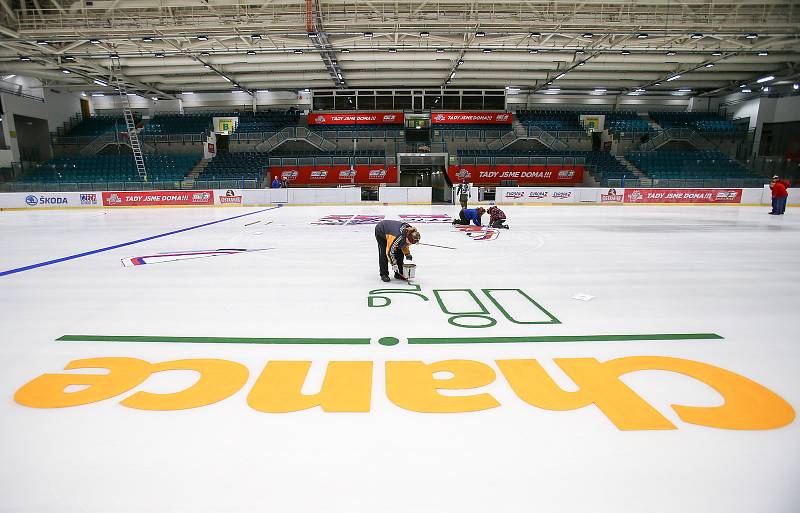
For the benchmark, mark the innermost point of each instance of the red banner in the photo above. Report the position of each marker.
(683, 195)
(145, 198)
(362, 118)
(523, 175)
(334, 175)
(471, 118)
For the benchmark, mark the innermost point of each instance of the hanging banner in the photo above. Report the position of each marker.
(683, 195)
(523, 175)
(334, 175)
(362, 118)
(471, 118)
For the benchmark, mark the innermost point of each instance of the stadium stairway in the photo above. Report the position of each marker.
(197, 169)
(630, 166)
(650, 121)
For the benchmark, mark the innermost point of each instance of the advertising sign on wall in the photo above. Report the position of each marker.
(334, 175)
(471, 118)
(362, 118)
(683, 195)
(146, 198)
(523, 175)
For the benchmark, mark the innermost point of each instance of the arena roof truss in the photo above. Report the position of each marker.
(160, 48)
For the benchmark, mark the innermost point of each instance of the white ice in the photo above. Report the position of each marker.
(726, 270)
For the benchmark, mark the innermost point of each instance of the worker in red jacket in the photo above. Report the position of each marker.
(779, 195)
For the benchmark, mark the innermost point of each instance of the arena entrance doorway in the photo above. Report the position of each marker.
(426, 170)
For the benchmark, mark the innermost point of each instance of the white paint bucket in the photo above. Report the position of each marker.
(409, 270)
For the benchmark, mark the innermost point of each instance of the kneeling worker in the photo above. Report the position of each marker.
(470, 214)
(394, 239)
(497, 217)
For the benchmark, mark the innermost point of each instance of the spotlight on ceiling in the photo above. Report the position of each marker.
(424, 34)
(763, 54)
(588, 35)
(202, 38)
(697, 35)
(751, 35)
(641, 35)
(480, 33)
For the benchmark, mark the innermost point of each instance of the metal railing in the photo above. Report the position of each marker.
(675, 183)
(159, 185)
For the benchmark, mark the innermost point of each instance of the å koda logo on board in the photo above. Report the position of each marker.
(417, 386)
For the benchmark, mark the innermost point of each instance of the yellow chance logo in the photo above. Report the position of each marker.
(417, 386)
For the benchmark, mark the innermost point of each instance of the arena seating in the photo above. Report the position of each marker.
(601, 164)
(626, 121)
(95, 126)
(550, 120)
(688, 165)
(701, 121)
(110, 168)
(249, 165)
(168, 124)
(269, 121)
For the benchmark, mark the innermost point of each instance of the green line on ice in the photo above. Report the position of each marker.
(212, 340)
(566, 338)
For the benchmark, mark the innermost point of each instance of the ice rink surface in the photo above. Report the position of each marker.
(729, 271)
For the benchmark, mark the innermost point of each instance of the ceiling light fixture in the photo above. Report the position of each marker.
(533, 51)
(751, 35)
(368, 34)
(716, 54)
(94, 41)
(684, 90)
(251, 52)
(440, 50)
(66, 71)
(625, 52)
(641, 35)
(392, 50)
(763, 54)
(147, 40)
(588, 35)
(312, 35)
(298, 52)
(747, 90)
(424, 34)
(345, 50)
(480, 33)
(100, 82)
(697, 35)
(673, 77)
(255, 37)
(97, 95)
(24, 58)
(487, 50)
(42, 43)
(202, 38)
(710, 65)
(536, 34)
(765, 79)
(671, 53)
(187, 93)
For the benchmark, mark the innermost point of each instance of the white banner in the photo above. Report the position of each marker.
(536, 195)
